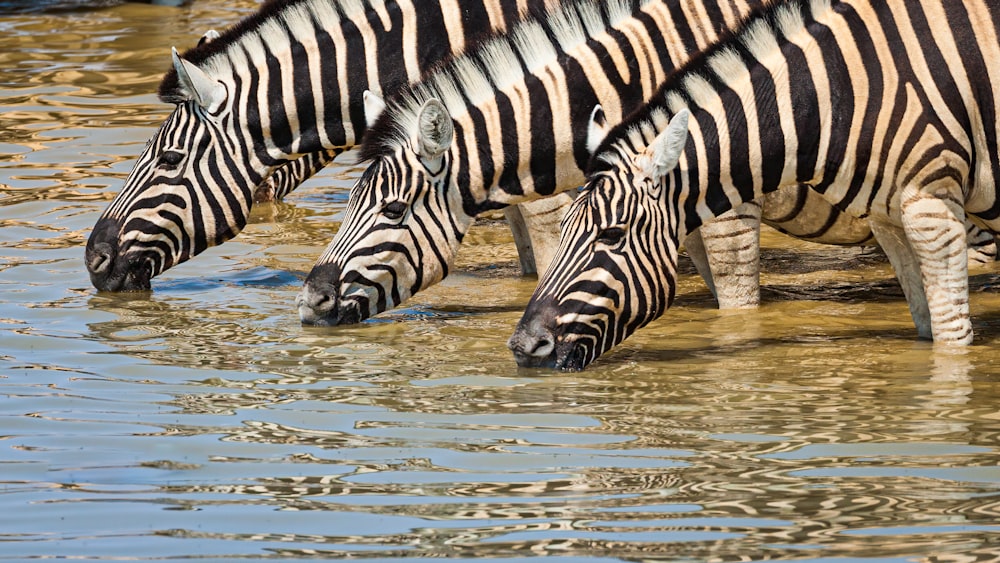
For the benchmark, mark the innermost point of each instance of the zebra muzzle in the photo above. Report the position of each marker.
(533, 344)
(108, 269)
(319, 300)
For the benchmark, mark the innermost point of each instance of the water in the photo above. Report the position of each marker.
(203, 421)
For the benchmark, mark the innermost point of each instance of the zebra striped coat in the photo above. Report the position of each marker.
(887, 107)
(497, 126)
(284, 85)
(501, 125)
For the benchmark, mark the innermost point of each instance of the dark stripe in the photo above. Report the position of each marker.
(303, 96)
(842, 99)
(333, 124)
(543, 151)
(772, 137)
(281, 131)
(865, 151)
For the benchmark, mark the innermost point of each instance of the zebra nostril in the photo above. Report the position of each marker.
(531, 343)
(102, 252)
(100, 258)
(542, 347)
(319, 300)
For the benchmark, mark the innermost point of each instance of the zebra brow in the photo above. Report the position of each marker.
(493, 63)
(275, 18)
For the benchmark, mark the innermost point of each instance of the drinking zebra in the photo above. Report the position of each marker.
(264, 105)
(887, 107)
(502, 124)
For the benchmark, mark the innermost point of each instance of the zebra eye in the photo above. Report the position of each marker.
(170, 159)
(611, 236)
(394, 210)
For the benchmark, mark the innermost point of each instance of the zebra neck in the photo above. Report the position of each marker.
(295, 68)
(771, 108)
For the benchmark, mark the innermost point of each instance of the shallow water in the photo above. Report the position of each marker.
(203, 421)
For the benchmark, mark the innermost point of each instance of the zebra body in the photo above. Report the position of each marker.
(508, 116)
(498, 126)
(886, 107)
(260, 108)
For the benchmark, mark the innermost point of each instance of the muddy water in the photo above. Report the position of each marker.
(201, 420)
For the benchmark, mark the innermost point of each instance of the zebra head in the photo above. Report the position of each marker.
(615, 269)
(402, 227)
(185, 193)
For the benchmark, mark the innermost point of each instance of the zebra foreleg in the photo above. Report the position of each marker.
(935, 228)
(904, 262)
(930, 256)
(535, 226)
(699, 256)
(726, 252)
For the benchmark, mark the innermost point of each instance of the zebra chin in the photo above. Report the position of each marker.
(109, 268)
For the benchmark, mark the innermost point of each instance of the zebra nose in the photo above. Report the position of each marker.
(318, 300)
(533, 343)
(102, 252)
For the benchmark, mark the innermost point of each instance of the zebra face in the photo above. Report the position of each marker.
(402, 228)
(391, 244)
(606, 281)
(615, 269)
(189, 190)
(180, 199)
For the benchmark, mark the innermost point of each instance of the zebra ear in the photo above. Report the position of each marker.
(374, 106)
(597, 129)
(210, 35)
(209, 93)
(665, 151)
(434, 130)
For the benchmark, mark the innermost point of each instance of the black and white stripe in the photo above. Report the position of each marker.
(886, 107)
(510, 115)
(283, 84)
(497, 126)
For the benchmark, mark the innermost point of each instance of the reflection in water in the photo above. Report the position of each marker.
(205, 421)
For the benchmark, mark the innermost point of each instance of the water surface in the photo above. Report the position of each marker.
(203, 421)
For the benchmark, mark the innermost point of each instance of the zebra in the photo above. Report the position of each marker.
(501, 125)
(262, 106)
(886, 107)
(386, 250)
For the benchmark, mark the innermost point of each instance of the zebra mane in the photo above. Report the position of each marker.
(255, 26)
(704, 73)
(534, 40)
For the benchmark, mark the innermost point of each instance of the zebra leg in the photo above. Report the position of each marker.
(535, 226)
(732, 248)
(982, 245)
(699, 256)
(893, 241)
(935, 229)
